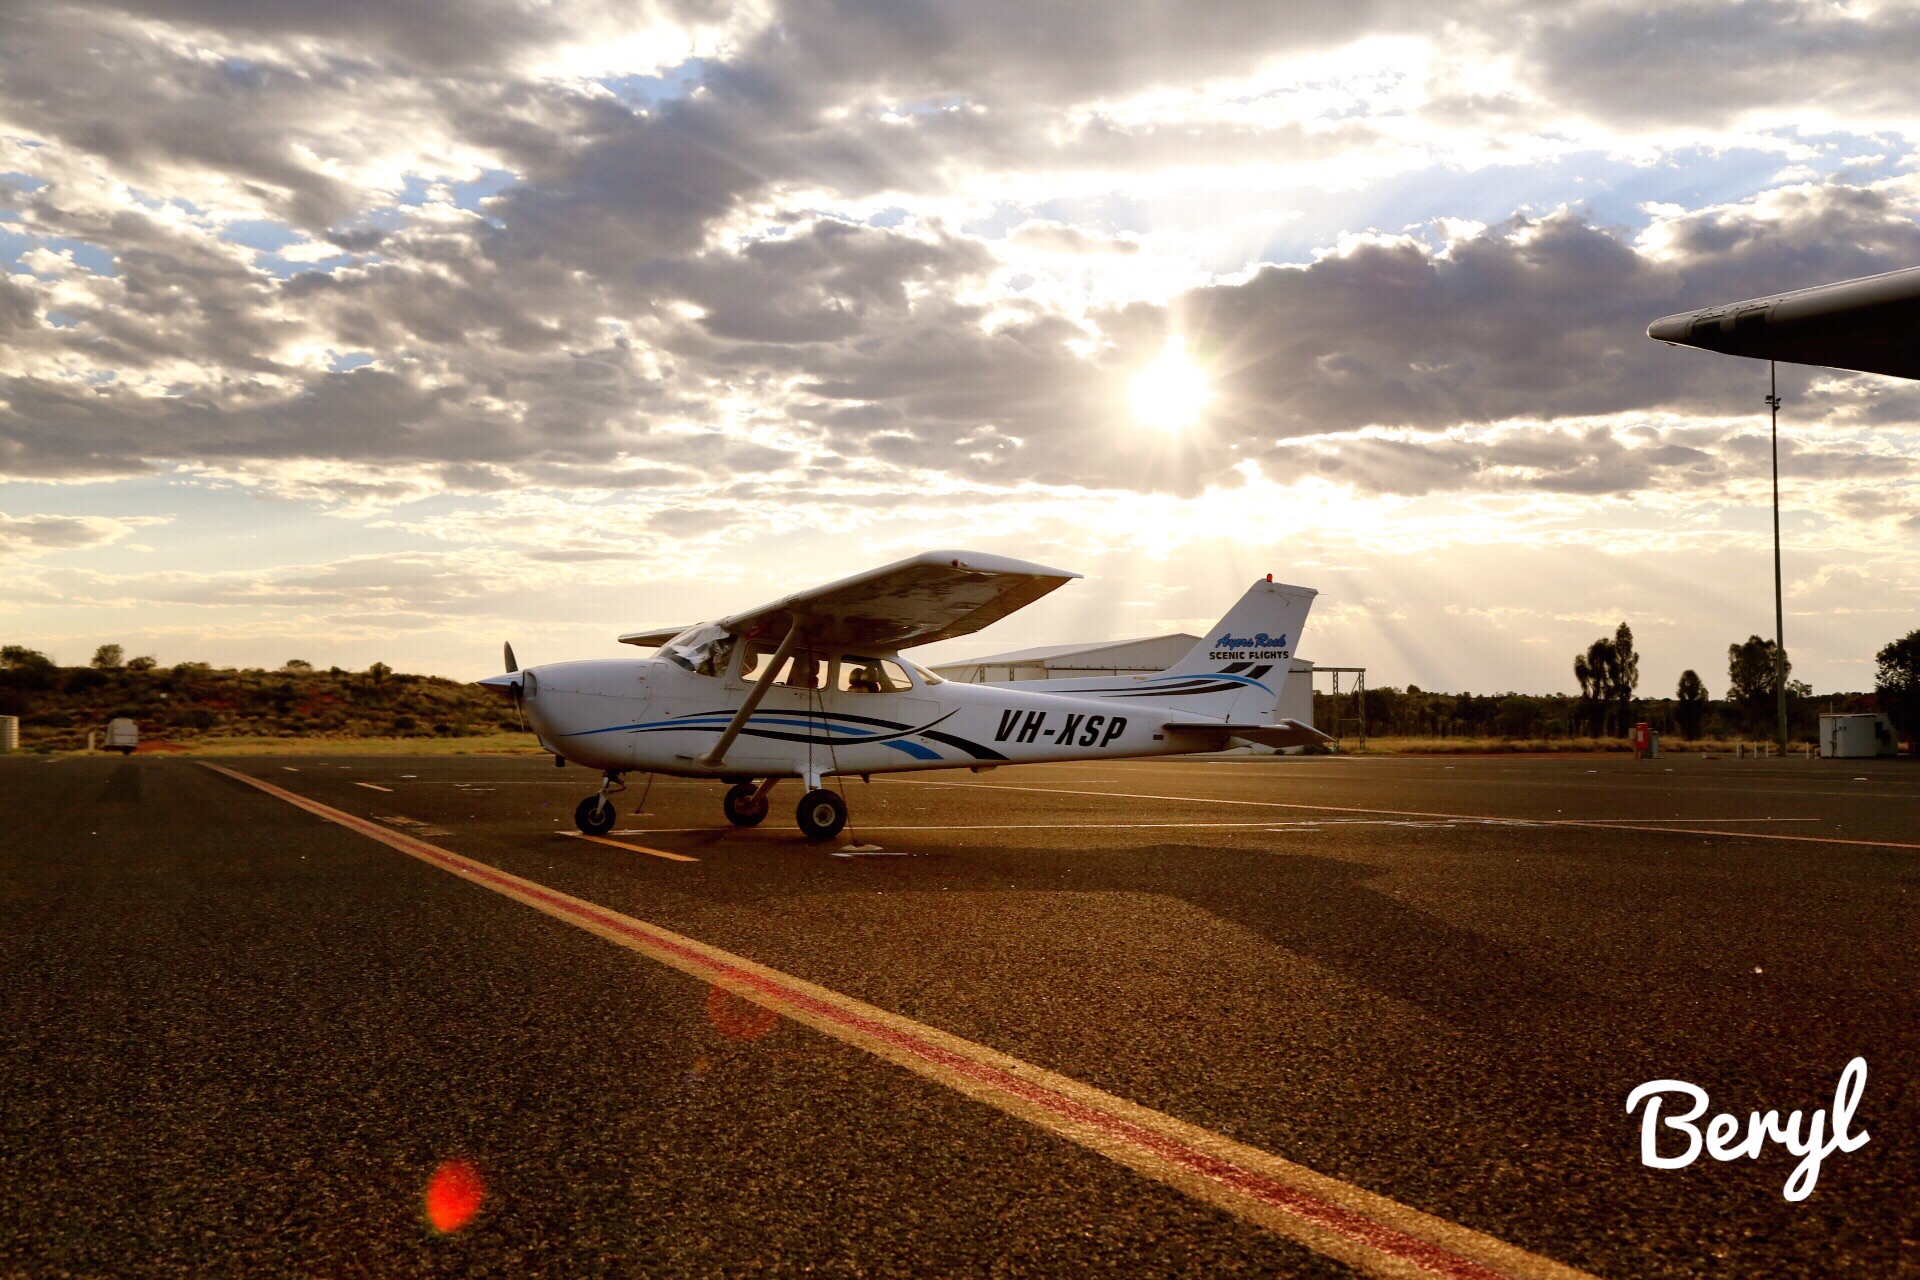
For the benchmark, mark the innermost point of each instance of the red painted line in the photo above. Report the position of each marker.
(1345, 1221)
(1351, 1225)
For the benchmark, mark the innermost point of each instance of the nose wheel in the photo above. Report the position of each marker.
(595, 815)
(822, 814)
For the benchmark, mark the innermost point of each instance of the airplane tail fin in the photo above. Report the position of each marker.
(1247, 654)
(1234, 674)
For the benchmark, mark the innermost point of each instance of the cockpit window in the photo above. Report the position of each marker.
(703, 650)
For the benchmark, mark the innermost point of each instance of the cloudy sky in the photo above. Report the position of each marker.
(388, 329)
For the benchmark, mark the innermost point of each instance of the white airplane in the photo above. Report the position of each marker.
(814, 687)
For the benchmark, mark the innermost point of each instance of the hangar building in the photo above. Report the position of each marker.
(1145, 657)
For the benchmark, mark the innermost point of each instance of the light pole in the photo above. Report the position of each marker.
(1779, 605)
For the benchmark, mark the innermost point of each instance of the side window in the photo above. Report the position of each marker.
(859, 674)
(801, 671)
(804, 671)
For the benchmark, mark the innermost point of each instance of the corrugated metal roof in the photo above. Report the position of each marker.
(1062, 650)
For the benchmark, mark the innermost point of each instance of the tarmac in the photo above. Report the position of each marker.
(1137, 1018)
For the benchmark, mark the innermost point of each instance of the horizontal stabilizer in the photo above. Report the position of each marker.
(1287, 733)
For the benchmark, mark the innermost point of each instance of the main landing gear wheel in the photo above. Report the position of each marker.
(744, 805)
(822, 813)
(595, 815)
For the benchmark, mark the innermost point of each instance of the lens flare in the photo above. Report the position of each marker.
(1171, 392)
(454, 1194)
(737, 1018)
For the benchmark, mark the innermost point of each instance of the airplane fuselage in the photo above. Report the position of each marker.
(650, 715)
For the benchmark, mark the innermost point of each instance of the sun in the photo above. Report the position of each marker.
(1171, 392)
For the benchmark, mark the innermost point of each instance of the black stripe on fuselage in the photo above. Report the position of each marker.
(1193, 683)
(1179, 693)
(973, 749)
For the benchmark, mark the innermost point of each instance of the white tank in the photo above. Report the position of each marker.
(123, 735)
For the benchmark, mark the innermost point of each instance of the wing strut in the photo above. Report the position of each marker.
(712, 759)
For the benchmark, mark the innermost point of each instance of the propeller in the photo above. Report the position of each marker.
(514, 687)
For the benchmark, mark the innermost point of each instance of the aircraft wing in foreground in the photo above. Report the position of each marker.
(1871, 324)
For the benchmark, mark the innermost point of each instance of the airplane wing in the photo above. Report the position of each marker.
(932, 596)
(1870, 324)
(652, 639)
(1287, 733)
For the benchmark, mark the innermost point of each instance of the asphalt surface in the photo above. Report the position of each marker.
(239, 1039)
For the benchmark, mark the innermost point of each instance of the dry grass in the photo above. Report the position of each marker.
(524, 744)
(480, 744)
(1536, 746)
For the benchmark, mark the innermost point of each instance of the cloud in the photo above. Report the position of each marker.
(528, 288)
(873, 346)
(1709, 63)
(30, 535)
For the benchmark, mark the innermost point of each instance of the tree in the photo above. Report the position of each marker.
(298, 664)
(1752, 680)
(1608, 673)
(379, 671)
(1691, 699)
(1896, 683)
(144, 662)
(1626, 674)
(107, 657)
(1590, 669)
(17, 657)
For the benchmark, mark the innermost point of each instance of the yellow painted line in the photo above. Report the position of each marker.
(1614, 824)
(1380, 1237)
(372, 787)
(621, 844)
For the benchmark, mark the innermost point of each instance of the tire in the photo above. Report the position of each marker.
(595, 815)
(821, 814)
(742, 807)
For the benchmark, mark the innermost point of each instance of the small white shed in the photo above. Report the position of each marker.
(1846, 737)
